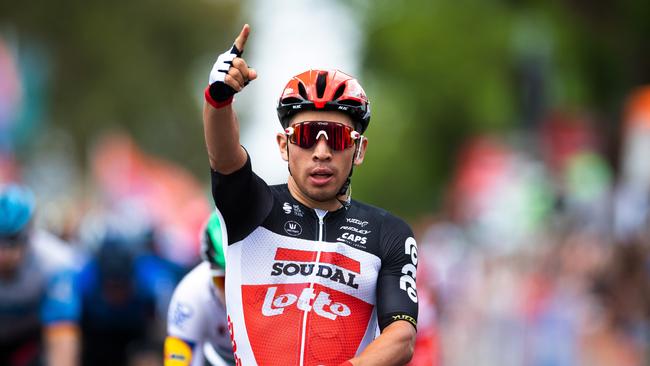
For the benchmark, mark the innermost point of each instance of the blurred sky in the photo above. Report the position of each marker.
(289, 37)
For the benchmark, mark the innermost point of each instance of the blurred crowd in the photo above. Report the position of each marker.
(94, 274)
(541, 254)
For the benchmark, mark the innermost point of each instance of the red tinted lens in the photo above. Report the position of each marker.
(306, 134)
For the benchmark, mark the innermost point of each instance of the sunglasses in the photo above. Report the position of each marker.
(306, 134)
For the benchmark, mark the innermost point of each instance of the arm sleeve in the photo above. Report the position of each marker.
(396, 292)
(243, 199)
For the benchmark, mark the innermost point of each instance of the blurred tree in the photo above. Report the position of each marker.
(437, 72)
(128, 65)
(440, 71)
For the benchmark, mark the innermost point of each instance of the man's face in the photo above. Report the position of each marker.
(11, 257)
(320, 171)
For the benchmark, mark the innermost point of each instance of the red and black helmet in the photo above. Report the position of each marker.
(327, 90)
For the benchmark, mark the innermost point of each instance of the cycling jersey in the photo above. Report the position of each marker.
(196, 317)
(42, 293)
(306, 286)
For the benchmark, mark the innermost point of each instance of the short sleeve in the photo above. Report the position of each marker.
(396, 291)
(62, 300)
(243, 199)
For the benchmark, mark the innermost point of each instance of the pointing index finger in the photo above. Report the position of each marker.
(241, 39)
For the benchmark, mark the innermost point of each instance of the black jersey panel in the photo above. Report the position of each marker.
(243, 199)
(396, 291)
(289, 217)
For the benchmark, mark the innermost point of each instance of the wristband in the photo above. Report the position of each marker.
(214, 103)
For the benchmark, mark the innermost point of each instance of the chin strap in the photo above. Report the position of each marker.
(346, 186)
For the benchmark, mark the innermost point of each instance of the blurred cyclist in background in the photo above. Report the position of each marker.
(123, 288)
(39, 302)
(197, 323)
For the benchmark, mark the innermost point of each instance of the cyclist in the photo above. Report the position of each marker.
(196, 323)
(312, 277)
(39, 303)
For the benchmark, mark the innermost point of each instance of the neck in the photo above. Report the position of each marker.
(332, 204)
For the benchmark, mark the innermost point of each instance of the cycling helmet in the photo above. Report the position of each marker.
(16, 209)
(212, 242)
(328, 90)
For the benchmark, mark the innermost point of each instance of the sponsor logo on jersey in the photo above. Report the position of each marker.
(352, 238)
(287, 208)
(322, 304)
(182, 312)
(408, 318)
(295, 209)
(306, 269)
(356, 221)
(292, 228)
(177, 352)
(356, 230)
(275, 316)
(291, 262)
(407, 281)
(233, 342)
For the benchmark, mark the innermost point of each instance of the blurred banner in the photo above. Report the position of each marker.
(172, 199)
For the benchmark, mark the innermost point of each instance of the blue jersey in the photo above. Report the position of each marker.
(43, 291)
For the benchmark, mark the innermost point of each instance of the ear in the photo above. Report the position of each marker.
(282, 144)
(360, 152)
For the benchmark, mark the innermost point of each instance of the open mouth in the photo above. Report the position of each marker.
(321, 177)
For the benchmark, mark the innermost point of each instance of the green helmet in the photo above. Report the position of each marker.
(212, 241)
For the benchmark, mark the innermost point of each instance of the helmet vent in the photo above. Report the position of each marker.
(350, 102)
(291, 100)
(321, 83)
(339, 91)
(302, 91)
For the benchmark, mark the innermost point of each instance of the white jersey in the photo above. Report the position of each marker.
(309, 287)
(197, 316)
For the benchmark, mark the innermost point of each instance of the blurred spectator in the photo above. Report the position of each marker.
(39, 302)
(570, 150)
(499, 195)
(632, 203)
(621, 334)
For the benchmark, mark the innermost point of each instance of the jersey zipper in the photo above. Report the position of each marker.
(321, 225)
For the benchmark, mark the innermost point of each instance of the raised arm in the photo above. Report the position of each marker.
(229, 75)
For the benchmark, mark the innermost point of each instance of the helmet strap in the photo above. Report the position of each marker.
(288, 160)
(344, 188)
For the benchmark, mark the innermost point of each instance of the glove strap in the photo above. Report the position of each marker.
(214, 103)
